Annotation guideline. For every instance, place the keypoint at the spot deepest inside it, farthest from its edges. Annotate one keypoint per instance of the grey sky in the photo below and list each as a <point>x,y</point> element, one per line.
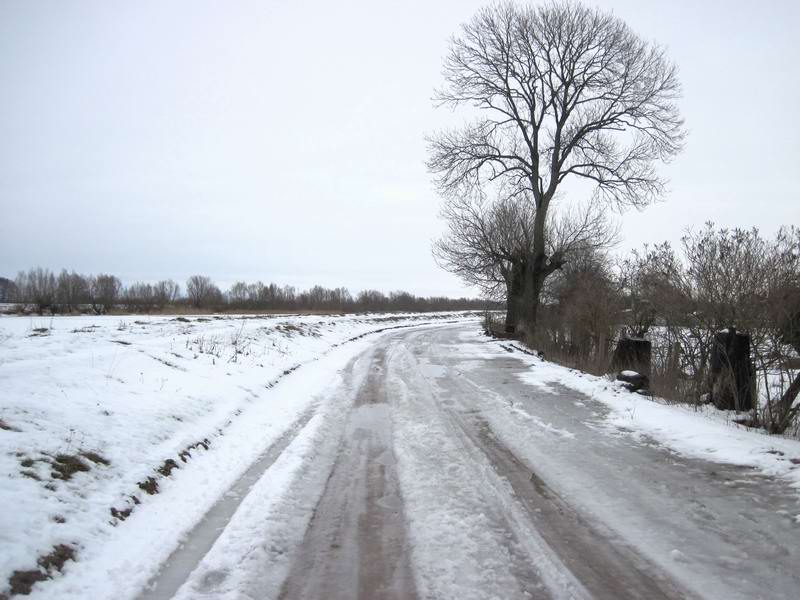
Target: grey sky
<point>283,141</point>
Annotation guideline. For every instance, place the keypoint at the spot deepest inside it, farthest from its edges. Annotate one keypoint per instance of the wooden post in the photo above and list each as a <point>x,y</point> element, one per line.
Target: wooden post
<point>732,373</point>
<point>633,354</point>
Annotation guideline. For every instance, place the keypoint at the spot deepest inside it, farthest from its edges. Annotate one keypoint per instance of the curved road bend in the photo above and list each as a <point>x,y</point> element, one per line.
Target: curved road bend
<point>452,478</point>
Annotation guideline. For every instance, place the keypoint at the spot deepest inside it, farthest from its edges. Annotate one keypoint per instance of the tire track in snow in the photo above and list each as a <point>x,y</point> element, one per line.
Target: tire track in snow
<point>471,539</point>
<point>355,545</point>
<point>182,566</point>
<point>188,555</point>
<point>607,570</point>
<point>574,557</point>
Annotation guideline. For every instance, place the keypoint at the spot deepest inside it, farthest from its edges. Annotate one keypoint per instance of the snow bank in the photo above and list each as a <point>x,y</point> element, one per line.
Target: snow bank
<point>704,432</point>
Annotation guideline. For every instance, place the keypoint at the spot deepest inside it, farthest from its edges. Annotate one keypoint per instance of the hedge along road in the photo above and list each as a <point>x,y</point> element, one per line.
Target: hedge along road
<point>434,471</point>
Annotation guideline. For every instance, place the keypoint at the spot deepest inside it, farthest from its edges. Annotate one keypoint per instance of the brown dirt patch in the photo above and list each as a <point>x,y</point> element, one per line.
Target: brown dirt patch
<point>149,486</point>
<point>96,458</point>
<point>66,465</point>
<point>22,582</point>
<point>56,559</point>
<point>186,454</point>
<point>121,514</point>
<point>167,468</point>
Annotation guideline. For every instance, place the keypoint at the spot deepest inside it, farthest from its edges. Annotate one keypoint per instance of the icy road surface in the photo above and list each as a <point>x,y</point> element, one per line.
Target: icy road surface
<point>441,467</point>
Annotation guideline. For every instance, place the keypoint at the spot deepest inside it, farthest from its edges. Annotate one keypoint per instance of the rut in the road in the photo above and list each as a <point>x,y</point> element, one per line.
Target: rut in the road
<point>185,559</point>
<point>607,570</point>
<point>355,545</point>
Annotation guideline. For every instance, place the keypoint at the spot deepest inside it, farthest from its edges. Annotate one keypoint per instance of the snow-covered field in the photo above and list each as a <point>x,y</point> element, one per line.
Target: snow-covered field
<point>119,435</point>
<point>104,418</point>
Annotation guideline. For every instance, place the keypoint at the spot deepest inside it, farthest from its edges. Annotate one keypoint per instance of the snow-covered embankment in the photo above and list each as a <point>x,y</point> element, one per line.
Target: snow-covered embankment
<point>120,431</point>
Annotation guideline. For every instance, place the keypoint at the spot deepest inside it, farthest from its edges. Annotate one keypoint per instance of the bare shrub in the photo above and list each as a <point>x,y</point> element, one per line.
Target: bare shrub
<point>202,292</point>
<point>722,278</point>
<point>72,290</point>
<point>238,295</point>
<point>166,292</point>
<point>140,297</point>
<point>8,290</point>
<point>582,308</point>
<point>104,291</point>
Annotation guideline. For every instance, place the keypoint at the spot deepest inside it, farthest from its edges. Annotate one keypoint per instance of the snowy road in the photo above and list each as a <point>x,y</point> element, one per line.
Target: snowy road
<point>434,470</point>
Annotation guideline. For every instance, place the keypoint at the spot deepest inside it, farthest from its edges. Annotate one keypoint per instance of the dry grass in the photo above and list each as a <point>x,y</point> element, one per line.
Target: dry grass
<point>6,427</point>
<point>22,582</point>
<point>96,458</point>
<point>167,468</point>
<point>66,465</point>
<point>149,486</point>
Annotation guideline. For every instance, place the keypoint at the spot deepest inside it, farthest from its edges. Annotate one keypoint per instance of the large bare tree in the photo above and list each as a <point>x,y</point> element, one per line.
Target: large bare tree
<point>561,91</point>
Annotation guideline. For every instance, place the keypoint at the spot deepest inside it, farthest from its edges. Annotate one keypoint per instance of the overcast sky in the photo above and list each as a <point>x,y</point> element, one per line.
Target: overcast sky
<point>283,141</point>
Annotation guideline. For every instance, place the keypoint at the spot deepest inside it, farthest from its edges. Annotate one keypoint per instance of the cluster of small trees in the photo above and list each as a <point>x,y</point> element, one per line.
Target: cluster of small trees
<point>680,299</point>
<point>67,292</point>
<point>257,295</point>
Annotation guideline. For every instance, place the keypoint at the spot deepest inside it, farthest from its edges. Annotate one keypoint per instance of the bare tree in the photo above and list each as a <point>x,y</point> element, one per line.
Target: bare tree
<point>140,297</point>
<point>255,292</point>
<point>238,295</point>
<point>489,245</point>
<point>562,91</point>
<point>372,300</point>
<point>38,287</point>
<point>104,290</point>
<point>165,292</point>
<point>783,410</point>
<point>403,301</point>
<point>651,286</point>
<point>72,290</point>
<point>202,292</point>
<point>8,290</point>
<point>486,246</point>
<point>781,340</point>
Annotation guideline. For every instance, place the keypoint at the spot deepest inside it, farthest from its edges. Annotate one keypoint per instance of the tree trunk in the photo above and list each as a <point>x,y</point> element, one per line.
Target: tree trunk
<point>514,291</point>
<point>674,357</point>
<point>536,268</point>
<point>790,334</point>
<point>534,276</point>
<point>784,407</point>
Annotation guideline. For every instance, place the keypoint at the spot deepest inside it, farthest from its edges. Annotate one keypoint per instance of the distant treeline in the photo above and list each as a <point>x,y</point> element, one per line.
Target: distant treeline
<point>44,291</point>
